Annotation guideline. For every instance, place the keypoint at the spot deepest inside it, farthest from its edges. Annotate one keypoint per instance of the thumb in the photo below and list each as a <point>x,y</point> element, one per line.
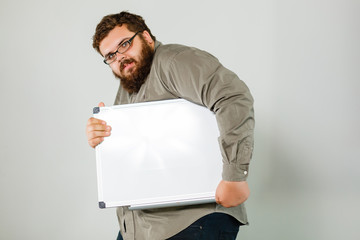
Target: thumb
<point>101,104</point>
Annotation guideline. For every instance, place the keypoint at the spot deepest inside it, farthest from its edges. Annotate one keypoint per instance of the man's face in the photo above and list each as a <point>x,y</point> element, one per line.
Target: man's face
<point>132,66</point>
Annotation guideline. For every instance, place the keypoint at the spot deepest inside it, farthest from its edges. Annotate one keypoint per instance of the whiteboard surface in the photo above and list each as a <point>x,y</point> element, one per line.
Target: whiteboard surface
<point>160,153</point>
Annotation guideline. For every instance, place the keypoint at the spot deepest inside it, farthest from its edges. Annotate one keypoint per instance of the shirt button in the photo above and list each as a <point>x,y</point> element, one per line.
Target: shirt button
<point>245,172</point>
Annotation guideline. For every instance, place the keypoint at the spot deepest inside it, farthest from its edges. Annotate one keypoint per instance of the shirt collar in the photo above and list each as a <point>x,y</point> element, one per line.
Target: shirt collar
<point>157,44</point>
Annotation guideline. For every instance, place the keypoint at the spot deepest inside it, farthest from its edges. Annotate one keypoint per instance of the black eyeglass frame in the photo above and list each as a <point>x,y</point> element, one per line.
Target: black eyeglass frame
<point>129,42</point>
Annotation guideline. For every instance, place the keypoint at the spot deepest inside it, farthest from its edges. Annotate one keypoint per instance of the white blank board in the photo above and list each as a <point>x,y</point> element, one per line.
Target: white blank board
<point>162,153</point>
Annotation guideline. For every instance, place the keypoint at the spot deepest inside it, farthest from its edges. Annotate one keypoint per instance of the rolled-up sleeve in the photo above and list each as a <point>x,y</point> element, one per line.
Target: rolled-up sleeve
<point>199,77</point>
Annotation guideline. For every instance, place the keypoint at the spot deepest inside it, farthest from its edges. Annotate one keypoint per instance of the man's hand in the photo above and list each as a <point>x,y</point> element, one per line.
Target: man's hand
<point>96,130</point>
<point>231,194</point>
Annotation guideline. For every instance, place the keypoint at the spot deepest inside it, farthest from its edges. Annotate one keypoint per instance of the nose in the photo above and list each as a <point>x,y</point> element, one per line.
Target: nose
<point>120,56</point>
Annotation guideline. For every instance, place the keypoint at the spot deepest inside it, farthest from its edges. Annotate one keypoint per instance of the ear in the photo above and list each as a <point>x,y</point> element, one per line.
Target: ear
<point>147,37</point>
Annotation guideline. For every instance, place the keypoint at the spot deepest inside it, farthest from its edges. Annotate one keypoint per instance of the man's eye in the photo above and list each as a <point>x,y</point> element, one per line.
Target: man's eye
<point>125,44</point>
<point>111,56</point>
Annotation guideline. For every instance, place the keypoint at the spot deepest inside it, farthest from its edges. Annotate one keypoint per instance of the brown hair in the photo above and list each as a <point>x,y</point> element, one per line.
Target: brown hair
<point>133,22</point>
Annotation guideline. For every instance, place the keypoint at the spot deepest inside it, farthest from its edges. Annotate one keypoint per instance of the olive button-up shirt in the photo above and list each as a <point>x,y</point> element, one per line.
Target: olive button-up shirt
<point>184,72</point>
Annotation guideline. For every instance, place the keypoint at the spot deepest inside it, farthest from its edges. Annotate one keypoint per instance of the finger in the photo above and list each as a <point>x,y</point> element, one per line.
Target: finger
<point>93,120</point>
<point>98,127</point>
<point>217,200</point>
<point>96,141</point>
<point>95,134</point>
<point>101,104</point>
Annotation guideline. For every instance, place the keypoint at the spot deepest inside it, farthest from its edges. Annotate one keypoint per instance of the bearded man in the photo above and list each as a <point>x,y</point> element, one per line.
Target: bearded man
<point>150,71</point>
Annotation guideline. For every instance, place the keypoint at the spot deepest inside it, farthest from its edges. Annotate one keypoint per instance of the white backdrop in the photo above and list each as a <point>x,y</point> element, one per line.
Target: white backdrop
<point>299,58</point>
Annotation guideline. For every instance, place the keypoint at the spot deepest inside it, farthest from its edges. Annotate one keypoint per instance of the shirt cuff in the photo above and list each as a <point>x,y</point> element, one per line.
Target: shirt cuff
<point>235,173</point>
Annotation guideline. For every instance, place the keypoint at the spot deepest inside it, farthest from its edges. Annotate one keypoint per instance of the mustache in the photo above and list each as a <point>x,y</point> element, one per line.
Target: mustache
<point>126,62</point>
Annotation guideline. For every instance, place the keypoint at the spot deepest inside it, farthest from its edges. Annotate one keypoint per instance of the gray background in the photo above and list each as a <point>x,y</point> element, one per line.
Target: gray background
<point>299,58</point>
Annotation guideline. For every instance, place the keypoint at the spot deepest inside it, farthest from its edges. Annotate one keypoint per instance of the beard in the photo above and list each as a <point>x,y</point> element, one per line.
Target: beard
<point>137,76</point>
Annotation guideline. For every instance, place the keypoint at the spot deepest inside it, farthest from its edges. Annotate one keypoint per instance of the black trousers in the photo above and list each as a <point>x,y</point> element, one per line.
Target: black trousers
<point>215,226</point>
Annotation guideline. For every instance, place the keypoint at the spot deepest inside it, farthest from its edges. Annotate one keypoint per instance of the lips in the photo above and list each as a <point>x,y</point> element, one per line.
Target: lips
<point>126,64</point>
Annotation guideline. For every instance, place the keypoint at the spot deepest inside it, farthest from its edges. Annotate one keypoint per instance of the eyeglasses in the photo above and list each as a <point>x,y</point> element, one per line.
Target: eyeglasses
<point>123,47</point>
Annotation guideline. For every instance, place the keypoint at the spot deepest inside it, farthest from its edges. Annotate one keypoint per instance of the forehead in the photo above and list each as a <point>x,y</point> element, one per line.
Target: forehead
<point>115,36</point>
